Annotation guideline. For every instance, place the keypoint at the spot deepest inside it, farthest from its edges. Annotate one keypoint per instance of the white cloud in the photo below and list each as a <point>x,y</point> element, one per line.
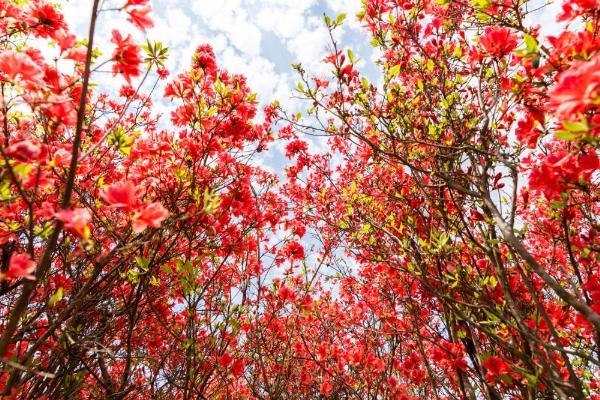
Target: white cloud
<point>348,7</point>
<point>280,21</point>
<point>309,47</point>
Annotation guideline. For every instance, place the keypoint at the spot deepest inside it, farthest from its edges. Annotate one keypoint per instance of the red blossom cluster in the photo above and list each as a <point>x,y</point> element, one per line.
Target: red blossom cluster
<point>445,246</point>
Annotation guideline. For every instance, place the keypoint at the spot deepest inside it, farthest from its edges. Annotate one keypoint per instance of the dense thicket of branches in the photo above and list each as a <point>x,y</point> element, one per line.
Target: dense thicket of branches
<point>454,216</point>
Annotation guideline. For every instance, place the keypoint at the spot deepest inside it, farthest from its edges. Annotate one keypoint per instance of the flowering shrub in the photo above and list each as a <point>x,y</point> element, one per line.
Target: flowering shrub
<point>457,246</point>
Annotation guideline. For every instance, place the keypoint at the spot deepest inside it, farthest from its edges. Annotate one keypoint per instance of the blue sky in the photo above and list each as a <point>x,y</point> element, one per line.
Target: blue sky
<point>257,38</point>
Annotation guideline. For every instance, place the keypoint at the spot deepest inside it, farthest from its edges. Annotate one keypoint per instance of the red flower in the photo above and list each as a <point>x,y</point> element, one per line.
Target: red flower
<point>76,221</point>
<point>575,8</point>
<point>133,3</point>
<point>577,89</point>
<point>325,388</point>
<point>139,17</point>
<point>163,73</point>
<point>121,195</point>
<point>19,66</point>
<point>205,58</point>
<point>225,360</point>
<point>495,367</point>
<point>237,369</point>
<point>152,215</point>
<point>295,147</point>
<point>60,109</point>
<point>20,266</point>
<point>25,151</point>
<point>126,56</point>
<point>559,171</point>
<point>285,293</point>
<point>498,41</point>
<point>293,250</point>
<point>65,40</point>
<point>527,132</point>
<point>61,158</point>
<point>47,21</point>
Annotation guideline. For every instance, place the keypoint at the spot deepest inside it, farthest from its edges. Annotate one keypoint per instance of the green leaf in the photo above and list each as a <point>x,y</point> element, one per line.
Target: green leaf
<point>394,71</point>
<point>532,380</point>
<point>530,43</point>
<point>581,126</point>
<point>340,19</point>
<point>142,262</point>
<point>565,135</point>
<point>350,56</point>
<point>56,297</point>
<point>430,65</point>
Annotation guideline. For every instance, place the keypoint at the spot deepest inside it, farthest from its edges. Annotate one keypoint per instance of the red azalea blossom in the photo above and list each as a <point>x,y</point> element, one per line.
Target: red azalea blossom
<point>325,388</point>
<point>495,367</point>
<point>139,17</point>
<point>47,20</point>
<point>205,58</point>
<point>25,151</point>
<point>152,215</point>
<point>131,3</point>
<point>17,66</point>
<point>293,250</point>
<point>163,73</point>
<point>225,360</point>
<point>559,172</point>
<point>573,8</point>
<point>76,221</point>
<point>123,195</point>
<point>577,89</point>
<point>295,147</point>
<point>20,266</point>
<point>498,41</point>
<point>527,132</point>
<point>126,56</point>
<point>285,293</point>
<point>237,369</point>
<point>62,157</point>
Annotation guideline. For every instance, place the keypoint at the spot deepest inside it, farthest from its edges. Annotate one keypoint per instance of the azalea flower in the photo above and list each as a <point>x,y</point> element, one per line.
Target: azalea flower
<point>25,151</point>
<point>225,360</point>
<point>139,17</point>
<point>121,195</point>
<point>126,56</point>
<point>19,66</point>
<point>205,58</point>
<point>293,251</point>
<point>498,41</point>
<point>495,367</point>
<point>152,215</point>
<point>527,132</point>
<point>47,20</point>
<point>577,89</point>
<point>20,266</point>
<point>76,221</point>
<point>560,170</point>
